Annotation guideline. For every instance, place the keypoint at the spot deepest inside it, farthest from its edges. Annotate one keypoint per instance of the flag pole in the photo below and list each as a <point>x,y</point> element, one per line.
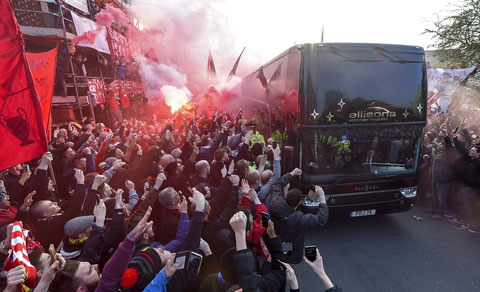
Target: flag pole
<point>52,174</point>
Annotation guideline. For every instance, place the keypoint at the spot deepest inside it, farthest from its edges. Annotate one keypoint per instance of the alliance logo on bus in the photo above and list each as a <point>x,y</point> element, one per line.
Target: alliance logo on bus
<point>374,113</point>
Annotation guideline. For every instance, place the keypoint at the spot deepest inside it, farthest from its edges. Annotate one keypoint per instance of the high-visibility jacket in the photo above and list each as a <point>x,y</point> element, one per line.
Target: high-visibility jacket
<point>257,138</point>
<point>279,137</point>
<point>343,146</point>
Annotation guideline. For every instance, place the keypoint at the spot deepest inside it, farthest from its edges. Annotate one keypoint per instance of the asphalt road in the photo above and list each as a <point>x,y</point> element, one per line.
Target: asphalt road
<point>394,252</point>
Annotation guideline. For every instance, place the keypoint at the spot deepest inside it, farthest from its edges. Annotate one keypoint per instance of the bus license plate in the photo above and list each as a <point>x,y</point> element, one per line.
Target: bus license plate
<point>362,213</point>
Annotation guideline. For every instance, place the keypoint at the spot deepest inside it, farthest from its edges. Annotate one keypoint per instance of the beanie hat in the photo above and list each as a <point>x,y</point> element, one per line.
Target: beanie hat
<point>77,225</point>
<point>142,269</point>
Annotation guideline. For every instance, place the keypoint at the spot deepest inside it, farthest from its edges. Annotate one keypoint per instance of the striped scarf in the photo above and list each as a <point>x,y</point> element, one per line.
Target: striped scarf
<point>19,256</point>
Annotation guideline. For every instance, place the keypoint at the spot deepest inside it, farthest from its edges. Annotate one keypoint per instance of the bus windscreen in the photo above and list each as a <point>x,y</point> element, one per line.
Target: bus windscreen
<point>362,84</point>
<point>374,150</point>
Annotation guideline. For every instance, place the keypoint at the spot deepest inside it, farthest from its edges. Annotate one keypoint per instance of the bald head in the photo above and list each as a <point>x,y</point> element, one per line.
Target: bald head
<point>176,152</point>
<point>166,160</point>
<point>253,177</point>
<point>266,176</point>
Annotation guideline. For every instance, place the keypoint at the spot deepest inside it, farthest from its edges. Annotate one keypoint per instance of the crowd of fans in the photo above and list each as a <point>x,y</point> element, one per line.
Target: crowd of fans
<point>449,173</point>
<point>150,206</point>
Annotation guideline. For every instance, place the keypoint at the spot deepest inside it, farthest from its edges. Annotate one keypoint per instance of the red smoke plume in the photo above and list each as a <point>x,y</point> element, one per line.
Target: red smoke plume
<point>88,37</point>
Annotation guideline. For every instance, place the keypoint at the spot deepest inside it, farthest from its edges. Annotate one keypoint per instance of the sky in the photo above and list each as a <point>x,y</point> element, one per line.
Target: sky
<point>269,27</point>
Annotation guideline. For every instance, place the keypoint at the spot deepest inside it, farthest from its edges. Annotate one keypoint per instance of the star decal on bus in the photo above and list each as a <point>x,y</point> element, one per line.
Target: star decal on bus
<point>419,107</point>
<point>405,114</point>
<point>314,114</point>
<point>341,103</point>
<point>329,116</point>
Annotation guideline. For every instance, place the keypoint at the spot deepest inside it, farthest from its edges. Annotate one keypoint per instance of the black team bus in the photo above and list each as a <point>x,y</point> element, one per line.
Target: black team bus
<point>351,116</point>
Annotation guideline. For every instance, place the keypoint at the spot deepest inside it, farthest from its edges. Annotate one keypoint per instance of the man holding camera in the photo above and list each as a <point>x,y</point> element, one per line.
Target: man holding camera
<point>291,223</point>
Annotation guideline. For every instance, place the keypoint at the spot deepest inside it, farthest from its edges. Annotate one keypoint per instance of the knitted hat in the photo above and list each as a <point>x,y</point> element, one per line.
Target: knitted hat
<point>142,269</point>
<point>77,225</point>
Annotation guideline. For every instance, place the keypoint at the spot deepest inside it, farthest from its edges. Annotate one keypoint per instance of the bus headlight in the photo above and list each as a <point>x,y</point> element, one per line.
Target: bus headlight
<point>409,192</point>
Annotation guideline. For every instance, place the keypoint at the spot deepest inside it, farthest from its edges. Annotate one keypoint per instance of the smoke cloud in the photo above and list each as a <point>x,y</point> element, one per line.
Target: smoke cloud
<point>174,42</point>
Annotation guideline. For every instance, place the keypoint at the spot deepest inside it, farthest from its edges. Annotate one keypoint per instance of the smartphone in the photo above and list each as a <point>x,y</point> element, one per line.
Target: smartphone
<point>265,219</point>
<point>27,167</point>
<point>311,252</point>
<point>287,246</point>
<point>190,261</point>
<point>282,265</point>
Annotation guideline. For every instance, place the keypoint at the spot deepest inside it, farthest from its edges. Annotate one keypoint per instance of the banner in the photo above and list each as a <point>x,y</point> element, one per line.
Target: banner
<point>21,123</point>
<point>118,44</point>
<point>79,4</point>
<point>83,25</point>
<point>442,84</point>
<point>96,90</point>
<point>42,66</point>
<point>138,86</point>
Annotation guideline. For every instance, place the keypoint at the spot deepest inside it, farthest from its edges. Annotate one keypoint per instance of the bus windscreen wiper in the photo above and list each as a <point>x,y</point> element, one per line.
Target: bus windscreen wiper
<point>384,164</point>
<point>339,52</point>
<point>339,180</point>
<point>386,53</point>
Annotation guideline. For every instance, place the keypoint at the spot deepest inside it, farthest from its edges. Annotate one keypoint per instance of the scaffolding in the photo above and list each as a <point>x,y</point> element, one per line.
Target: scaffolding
<point>52,22</point>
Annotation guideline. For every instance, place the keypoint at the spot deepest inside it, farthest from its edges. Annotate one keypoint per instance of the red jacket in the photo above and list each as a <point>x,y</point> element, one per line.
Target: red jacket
<point>112,101</point>
<point>7,215</point>
<point>124,99</point>
<point>255,235</point>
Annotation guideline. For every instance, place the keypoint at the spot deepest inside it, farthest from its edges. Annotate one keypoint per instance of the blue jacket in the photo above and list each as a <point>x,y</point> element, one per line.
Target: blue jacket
<point>159,284</point>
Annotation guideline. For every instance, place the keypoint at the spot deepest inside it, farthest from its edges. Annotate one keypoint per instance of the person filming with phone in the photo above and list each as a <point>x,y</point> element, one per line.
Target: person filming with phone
<point>291,223</point>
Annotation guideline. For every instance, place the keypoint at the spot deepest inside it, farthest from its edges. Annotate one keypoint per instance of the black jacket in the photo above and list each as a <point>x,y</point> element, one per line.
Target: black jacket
<point>51,230</point>
<point>165,223</point>
<point>290,224</point>
<point>244,262</point>
<point>468,169</point>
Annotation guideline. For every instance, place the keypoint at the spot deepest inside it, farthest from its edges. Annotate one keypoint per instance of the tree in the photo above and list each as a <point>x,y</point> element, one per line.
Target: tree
<point>457,36</point>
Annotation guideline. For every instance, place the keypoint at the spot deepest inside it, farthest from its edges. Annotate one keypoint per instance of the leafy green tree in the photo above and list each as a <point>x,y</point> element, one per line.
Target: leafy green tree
<point>457,36</point>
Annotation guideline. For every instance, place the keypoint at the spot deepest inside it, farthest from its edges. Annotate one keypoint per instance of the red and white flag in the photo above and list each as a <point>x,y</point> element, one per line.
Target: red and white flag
<point>19,256</point>
<point>442,83</point>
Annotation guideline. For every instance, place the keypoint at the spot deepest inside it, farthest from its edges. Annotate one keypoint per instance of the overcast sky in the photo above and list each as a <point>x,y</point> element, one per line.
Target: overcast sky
<point>268,27</point>
<point>272,25</point>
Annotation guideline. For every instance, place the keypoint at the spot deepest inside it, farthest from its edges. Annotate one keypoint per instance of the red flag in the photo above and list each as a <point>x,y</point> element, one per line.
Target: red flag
<point>235,66</point>
<point>43,66</point>
<point>261,77</point>
<point>276,74</point>
<point>21,123</point>
<point>118,44</point>
<point>212,73</point>
<point>96,90</point>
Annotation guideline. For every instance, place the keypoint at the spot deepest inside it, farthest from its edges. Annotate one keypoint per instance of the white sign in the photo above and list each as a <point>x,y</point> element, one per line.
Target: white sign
<point>83,25</point>
<point>442,84</point>
<point>79,4</point>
